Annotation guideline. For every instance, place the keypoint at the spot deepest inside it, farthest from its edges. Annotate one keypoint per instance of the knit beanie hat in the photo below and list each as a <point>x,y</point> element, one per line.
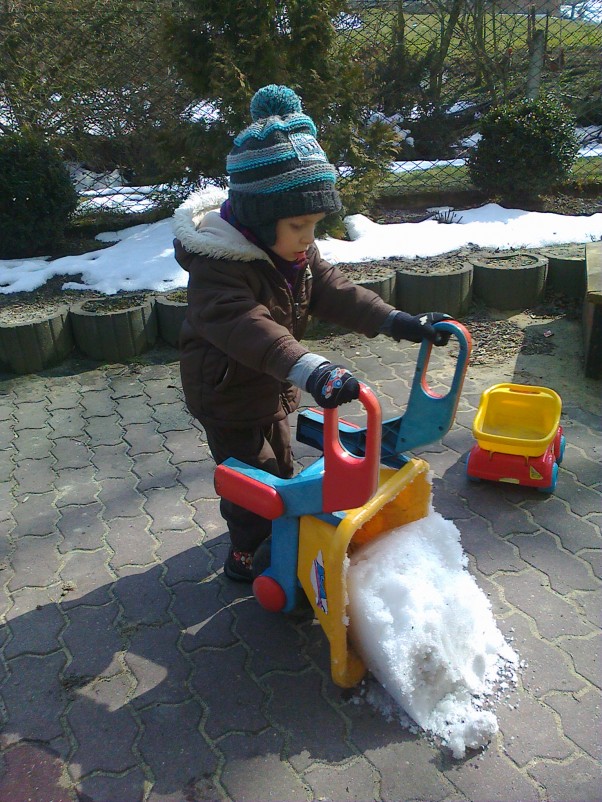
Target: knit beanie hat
<point>277,168</point>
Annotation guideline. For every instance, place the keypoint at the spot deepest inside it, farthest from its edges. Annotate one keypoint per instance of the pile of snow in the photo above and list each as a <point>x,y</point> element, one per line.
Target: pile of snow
<point>427,633</point>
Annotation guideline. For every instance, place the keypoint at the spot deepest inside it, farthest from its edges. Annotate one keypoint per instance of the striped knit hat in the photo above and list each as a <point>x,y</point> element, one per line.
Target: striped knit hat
<point>277,168</point>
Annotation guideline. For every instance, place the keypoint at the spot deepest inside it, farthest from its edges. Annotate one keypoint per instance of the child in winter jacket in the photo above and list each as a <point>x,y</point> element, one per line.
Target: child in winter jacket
<point>255,276</point>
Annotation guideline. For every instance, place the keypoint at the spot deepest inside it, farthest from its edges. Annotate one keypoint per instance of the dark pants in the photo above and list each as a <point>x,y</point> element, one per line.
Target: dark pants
<point>265,447</point>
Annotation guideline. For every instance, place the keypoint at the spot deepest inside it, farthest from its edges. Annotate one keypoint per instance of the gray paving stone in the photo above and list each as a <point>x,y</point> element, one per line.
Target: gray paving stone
<point>491,552</point>
<point>70,453</point>
<point>35,514</point>
<point>201,615</point>
<point>125,386</point>
<point>575,533</point>
<point>120,498</point>
<point>81,527</point>
<point>403,757</point>
<point>75,486</point>
<point>183,557</point>
<point>585,467</point>
<point>254,770</point>
<point>92,657</point>
<point>130,786</point>
<point>170,417</point>
<point>275,643</point>
<point>185,446</point>
<point>67,423</point>
<point>564,570</point>
<point>112,462</point>
<point>97,402</point>
<point>167,509</point>
<point>207,517</point>
<point>133,410</point>
<point>234,699</point>
<point>581,719</point>
<point>159,669</point>
<point>98,707</point>
<point>586,656</point>
<point>34,624</point>
<point>33,444</point>
<point>143,598</point>
<point>548,666</point>
<point>578,779</point>
<point>162,392</point>
<point>63,397</point>
<point>197,479</point>
<point>492,776</point>
<point>35,561</point>
<point>130,541</point>
<point>34,475</point>
<point>318,724</point>
<point>581,499</point>
<point>589,603</point>
<point>104,431</point>
<point>30,415</point>
<point>554,616</point>
<point>533,733</point>
<point>176,763</point>
<point>33,698</point>
<point>355,781</point>
<point>153,471</point>
<point>86,578</point>
<point>143,439</point>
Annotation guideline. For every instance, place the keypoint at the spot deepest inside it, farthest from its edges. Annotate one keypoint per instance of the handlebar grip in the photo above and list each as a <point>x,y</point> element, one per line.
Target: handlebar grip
<point>349,481</point>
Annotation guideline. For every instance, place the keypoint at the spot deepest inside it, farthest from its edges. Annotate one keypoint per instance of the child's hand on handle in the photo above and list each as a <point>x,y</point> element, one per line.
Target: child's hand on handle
<point>417,328</point>
<point>332,385</point>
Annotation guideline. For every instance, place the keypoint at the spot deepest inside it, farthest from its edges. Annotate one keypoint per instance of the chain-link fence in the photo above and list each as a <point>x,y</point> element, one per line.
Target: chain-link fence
<point>93,76</point>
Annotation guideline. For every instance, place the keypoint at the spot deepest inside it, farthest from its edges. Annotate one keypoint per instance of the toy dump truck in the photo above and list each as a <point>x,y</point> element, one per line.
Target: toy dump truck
<point>519,437</point>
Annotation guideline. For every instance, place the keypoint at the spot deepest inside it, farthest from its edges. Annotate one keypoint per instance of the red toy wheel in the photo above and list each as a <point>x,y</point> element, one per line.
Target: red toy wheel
<point>269,593</point>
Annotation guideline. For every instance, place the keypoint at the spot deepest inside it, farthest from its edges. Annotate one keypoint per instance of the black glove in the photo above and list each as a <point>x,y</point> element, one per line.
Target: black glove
<point>332,385</point>
<point>417,328</point>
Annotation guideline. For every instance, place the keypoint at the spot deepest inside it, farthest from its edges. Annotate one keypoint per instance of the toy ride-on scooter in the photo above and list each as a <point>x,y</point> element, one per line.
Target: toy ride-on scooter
<point>345,499</point>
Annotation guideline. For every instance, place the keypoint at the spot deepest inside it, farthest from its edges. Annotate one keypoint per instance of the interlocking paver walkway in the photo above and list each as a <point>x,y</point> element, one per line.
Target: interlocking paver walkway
<point>133,671</point>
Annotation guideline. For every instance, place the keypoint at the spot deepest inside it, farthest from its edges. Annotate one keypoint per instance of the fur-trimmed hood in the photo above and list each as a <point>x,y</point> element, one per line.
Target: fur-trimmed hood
<point>201,230</point>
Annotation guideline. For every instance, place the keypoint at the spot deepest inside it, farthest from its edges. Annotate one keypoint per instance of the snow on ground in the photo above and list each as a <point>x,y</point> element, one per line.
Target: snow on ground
<point>426,631</point>
<point>141,257</point>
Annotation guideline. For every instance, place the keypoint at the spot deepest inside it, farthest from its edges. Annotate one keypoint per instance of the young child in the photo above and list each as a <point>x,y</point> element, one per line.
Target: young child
<point>255,276</point>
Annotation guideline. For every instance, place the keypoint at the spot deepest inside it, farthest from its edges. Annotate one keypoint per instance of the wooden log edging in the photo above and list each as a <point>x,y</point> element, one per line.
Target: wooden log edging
<point>592,311</point>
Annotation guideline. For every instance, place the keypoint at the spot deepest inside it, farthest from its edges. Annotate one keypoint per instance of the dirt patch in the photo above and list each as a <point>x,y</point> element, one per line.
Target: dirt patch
<point>367,271</point>
<point>115,303</point>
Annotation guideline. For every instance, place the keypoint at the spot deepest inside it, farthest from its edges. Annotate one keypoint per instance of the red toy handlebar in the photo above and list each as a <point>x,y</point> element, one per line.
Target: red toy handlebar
<point>349,481</point>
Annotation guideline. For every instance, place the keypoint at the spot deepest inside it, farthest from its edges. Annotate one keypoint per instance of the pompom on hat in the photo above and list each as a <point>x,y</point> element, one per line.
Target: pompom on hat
<point>277,168</point>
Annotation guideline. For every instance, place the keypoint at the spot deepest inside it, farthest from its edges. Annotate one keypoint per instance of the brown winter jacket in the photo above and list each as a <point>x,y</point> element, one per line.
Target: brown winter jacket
<point>242,329</point>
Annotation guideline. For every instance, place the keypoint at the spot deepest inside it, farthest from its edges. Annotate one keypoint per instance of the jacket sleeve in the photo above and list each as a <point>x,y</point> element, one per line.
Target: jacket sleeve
<point>223,308</point>
<point>336,299</point>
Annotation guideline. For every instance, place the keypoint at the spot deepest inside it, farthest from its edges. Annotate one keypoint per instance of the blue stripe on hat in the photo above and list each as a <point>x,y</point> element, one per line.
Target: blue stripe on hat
<point>261,130</point>
<point>285,182</point>
<point>249,159</point>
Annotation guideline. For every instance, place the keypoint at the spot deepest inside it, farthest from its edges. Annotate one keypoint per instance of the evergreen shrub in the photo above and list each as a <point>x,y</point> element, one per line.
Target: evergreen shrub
<point>37,197</point>
<point>526,147</point>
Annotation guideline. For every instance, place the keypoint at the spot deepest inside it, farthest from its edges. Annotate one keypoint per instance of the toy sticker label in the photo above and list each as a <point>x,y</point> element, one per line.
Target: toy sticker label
<point>318,577</point>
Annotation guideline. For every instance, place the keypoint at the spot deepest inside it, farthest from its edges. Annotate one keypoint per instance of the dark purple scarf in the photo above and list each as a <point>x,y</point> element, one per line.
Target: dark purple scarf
<point>289,270</point>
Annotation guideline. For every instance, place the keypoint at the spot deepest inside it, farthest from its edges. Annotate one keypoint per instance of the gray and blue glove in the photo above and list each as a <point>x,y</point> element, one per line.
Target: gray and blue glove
<point>332,385</point>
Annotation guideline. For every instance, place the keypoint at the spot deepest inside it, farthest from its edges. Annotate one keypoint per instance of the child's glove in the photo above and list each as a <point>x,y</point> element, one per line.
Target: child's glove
<point>332,385</point>
<point>417,328</point>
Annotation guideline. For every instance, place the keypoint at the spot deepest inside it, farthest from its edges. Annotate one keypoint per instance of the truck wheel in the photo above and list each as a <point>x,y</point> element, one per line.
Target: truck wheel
<point>552,487</point>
